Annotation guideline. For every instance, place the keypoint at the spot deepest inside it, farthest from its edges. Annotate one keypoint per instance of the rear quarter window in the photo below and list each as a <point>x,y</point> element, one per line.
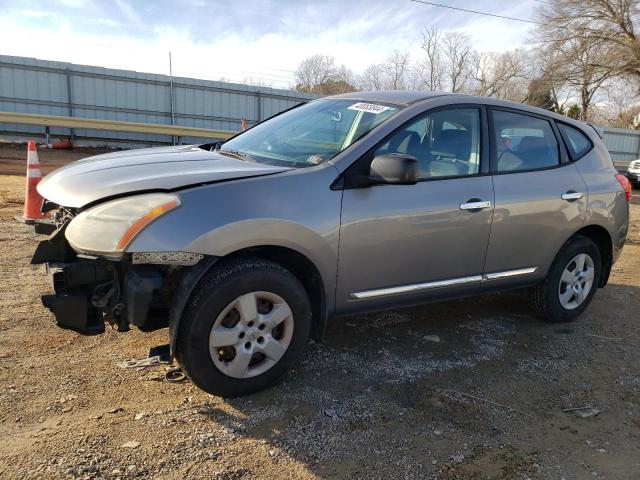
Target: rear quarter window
<point>577,142</point>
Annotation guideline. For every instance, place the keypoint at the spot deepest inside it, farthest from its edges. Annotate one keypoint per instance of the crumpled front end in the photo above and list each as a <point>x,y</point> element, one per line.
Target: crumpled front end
<point>91,291</point>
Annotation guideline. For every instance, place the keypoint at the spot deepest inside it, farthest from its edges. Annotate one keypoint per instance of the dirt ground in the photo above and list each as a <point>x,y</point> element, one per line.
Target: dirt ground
<point>469,389</point>
<point>13,157</point>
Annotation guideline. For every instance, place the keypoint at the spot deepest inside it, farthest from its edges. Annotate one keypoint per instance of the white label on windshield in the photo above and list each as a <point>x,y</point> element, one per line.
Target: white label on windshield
<point>369,108</point>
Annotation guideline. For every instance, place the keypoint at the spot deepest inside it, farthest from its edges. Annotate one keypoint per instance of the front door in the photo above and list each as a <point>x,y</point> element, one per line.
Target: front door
<point>400,244</point>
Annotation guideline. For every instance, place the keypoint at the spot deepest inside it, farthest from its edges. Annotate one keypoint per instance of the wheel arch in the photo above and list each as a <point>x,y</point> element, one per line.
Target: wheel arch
<point>297,263</point>
<point>305,271</point>
<point>602,238</point>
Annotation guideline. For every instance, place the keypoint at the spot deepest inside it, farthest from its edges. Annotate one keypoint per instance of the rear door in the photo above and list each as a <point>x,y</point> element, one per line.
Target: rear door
<point>540,197</point>
<point>400,244</point>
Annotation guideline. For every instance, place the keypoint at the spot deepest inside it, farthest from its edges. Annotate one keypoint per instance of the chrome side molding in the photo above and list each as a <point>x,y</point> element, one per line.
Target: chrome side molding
<point>509,273</point>
<point>417,287</point>
<point>383,292</point>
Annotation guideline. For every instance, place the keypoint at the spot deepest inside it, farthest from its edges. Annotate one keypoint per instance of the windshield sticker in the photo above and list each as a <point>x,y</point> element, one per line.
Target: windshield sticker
<point>369,108</point>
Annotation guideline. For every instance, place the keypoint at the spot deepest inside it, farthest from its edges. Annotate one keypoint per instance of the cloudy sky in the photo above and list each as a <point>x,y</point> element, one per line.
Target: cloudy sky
<point>262,40</point>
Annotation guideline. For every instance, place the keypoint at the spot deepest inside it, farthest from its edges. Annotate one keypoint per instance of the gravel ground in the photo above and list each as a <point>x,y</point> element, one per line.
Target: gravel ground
<point>474,388</point>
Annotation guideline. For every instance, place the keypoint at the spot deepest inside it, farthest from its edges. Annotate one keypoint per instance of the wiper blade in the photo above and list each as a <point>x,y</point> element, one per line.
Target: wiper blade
<point>236,154</point>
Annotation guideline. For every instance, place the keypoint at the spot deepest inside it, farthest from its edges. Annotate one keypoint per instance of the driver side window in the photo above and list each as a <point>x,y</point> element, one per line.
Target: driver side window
<point>446,143</point>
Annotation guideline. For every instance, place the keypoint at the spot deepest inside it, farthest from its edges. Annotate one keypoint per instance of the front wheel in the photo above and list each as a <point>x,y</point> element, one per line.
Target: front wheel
<point>245,325</point>
<point>571,282</point>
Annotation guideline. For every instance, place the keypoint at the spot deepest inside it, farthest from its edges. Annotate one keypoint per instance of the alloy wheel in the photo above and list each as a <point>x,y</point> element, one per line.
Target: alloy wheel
<point>576,281</point>
<point>251,334</point>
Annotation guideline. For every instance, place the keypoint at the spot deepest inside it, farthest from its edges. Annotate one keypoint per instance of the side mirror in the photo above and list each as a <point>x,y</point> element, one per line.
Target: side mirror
<point>394,169</point>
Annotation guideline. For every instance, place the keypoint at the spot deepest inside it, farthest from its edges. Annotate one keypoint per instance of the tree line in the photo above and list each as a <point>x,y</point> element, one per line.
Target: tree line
<point>584,63</point>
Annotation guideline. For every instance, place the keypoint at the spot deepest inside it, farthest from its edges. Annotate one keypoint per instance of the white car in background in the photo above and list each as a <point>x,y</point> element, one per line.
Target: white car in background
<point>633,172</point>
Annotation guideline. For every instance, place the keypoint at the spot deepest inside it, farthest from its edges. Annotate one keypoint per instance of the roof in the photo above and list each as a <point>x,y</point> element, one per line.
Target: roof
<point>408,97</point>
<point>398,97</point>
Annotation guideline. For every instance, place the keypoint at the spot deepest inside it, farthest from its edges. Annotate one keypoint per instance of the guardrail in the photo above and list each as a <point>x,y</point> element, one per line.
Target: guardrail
<point>113,125</point>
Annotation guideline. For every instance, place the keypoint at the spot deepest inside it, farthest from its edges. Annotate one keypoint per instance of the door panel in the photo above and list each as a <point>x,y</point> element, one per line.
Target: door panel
<point>531,220</point>
<point>402,235</point>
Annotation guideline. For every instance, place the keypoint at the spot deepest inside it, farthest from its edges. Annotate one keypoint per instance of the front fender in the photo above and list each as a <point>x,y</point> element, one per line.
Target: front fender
<point>233,237</point>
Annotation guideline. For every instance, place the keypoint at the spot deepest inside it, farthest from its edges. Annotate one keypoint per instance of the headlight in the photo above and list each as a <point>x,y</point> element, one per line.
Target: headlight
<point>111,226</point>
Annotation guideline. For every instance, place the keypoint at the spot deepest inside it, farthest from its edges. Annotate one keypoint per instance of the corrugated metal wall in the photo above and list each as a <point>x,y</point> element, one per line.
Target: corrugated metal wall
<point>623,145</point>
<point>28,85</point>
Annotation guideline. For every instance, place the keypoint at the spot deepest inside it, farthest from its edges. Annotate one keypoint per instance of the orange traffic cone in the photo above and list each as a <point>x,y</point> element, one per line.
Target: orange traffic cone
<point>32,199</point>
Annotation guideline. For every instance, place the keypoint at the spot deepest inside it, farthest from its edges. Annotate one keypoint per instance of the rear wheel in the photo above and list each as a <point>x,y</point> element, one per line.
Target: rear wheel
<point>571,282</point>
<point>245,325</point>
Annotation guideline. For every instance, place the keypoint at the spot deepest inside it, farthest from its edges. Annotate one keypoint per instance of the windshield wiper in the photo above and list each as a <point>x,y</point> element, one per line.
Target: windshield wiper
<point>236,154</point>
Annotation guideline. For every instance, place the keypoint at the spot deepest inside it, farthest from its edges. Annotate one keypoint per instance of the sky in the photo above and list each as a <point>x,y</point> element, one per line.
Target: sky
<point>263,41</point>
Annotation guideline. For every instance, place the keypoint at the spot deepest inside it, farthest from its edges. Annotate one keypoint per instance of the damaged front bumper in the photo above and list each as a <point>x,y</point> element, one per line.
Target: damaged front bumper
<point>146,290</point>
<point>90,293</point>
<point>74,284</point>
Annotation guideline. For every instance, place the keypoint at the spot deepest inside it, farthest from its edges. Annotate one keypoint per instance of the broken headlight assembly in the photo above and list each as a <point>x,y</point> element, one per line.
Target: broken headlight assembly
<point>107,229</point>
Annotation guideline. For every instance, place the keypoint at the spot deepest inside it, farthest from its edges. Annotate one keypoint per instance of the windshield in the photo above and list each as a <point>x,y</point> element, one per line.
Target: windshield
<point>309,134</point>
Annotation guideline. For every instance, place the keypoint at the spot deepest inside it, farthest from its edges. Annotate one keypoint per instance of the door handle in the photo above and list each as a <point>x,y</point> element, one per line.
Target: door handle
<point>475,205</point>
<point>572,196</point>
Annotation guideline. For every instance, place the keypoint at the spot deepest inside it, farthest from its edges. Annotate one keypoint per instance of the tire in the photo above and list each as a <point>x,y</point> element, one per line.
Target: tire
<point>550,297</point>
<point>217,369</point>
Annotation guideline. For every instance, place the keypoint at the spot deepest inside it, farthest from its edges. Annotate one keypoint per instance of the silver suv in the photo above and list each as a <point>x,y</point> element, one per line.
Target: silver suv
<point>347,204</point>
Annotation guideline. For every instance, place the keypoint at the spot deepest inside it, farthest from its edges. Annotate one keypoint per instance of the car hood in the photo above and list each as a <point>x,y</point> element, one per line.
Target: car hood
<point>163,168</point>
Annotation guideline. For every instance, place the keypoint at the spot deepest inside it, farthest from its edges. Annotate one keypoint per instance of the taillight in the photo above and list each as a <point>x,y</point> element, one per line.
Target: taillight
<point>626,185</point>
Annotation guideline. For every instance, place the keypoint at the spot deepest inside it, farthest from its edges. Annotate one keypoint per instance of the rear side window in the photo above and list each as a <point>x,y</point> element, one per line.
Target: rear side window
<point>577,141</point>
<point>523,142</point>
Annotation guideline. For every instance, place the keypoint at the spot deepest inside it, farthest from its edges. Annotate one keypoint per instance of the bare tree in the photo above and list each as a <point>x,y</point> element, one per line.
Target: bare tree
<point>315,70</point>
<point>320,74</point>
<point>395,70</point>
<point>481,72</point>
<point>373,78</point>
<point>549,78</point>
<point>430,70</point>
<point>620,106</point>
<point>503,75</point>
<point>585,72</point>
<point>414,80</point>
<point>446,65</point>
<point>611,24</point>
<point>393,74</point>
<point>458,53</point>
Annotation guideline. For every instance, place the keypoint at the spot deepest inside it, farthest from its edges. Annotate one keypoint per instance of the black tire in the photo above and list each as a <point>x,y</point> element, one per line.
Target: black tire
<point>544,297</point>
<point>216,291</point>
